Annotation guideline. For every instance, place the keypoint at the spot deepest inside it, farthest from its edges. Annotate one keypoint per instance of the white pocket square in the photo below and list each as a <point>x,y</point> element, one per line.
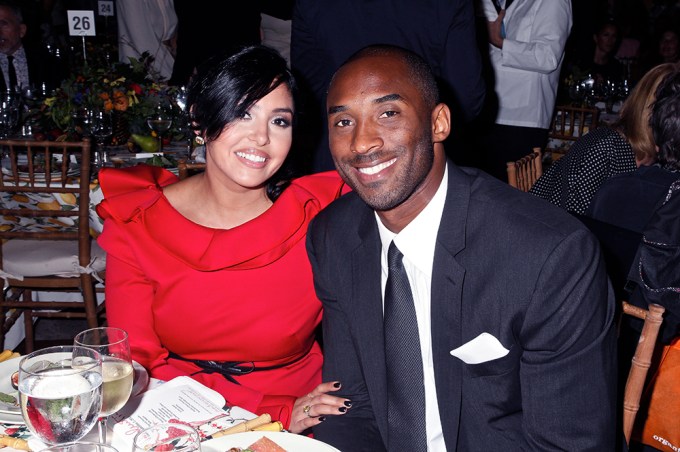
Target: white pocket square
<point>481,349</point>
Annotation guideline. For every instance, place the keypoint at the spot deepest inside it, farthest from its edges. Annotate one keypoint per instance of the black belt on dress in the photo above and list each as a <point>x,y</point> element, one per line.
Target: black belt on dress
<point>231,369</point>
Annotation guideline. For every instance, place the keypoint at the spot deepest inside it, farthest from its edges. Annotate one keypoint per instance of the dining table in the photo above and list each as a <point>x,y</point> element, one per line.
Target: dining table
<point>182,400</point>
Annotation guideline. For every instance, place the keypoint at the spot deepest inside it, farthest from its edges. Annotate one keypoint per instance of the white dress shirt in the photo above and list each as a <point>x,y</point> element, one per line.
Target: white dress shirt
<point>417,243</point>
<point>527,68</point>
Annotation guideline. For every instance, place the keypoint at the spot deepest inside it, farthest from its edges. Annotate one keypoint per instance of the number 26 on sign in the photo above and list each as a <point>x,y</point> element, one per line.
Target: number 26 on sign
<point>80,23</point>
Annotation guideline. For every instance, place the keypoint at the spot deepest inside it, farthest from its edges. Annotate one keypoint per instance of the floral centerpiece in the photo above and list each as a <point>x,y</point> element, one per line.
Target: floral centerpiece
<point>128,92</point>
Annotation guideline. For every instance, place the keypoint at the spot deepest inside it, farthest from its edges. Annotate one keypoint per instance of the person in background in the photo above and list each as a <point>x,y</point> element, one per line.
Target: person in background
<point>459,313</point>
<point>209,275</point>
<point>527,39</point>
<point>148,26</point>
<point>572,181</point>
<point>628,200</point>
<point>602,64</point>
<point>325,33</point>
<point>276,24</point>
<point>24,67</point>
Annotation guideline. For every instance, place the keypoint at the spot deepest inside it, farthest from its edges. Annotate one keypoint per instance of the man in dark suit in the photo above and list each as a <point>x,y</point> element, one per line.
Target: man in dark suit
<point>325,33</point>
<point>23,66</point>
<point>514,342</point>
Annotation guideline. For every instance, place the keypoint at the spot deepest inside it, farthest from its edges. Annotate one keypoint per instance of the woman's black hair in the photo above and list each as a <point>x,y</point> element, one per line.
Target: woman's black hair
<point>227,86</point>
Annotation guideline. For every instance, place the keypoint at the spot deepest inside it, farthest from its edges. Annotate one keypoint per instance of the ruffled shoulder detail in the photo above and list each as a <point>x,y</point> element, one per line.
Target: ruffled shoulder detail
<point>254,244</point>
<point>129,191</point>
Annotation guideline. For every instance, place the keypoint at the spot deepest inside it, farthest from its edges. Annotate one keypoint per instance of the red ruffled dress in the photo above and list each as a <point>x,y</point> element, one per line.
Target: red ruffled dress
<point>240,295</point>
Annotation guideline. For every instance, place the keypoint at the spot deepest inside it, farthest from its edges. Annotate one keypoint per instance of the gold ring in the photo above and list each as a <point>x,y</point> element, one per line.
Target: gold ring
<point>306,409</point>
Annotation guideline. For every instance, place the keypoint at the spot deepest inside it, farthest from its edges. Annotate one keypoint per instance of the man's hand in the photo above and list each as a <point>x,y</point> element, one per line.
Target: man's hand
<point>495,36</point>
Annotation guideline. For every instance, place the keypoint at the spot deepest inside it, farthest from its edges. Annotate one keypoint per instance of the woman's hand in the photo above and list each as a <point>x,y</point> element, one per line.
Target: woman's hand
<point>311,410</point>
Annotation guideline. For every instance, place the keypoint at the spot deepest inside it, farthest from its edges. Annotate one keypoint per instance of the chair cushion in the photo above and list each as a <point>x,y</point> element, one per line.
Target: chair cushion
<point>47,257</point>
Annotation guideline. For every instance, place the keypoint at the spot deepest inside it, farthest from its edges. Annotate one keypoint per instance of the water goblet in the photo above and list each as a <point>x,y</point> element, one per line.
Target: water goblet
<point>167,436</point>
<point>101,129</point>
<point>160,122</point>
<point>117,371</point>
<point>60,392</point>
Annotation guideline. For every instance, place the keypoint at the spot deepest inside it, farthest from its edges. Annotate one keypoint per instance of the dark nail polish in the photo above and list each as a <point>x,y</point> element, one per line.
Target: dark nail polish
<point>342,409</point>
<point>336,384</point>
<point>348,403</point>
<point>322,418</point>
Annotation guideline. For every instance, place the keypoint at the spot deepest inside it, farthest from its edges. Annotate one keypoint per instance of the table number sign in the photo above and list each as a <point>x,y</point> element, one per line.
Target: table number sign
<point>105,7</point>
<point>81,23</point>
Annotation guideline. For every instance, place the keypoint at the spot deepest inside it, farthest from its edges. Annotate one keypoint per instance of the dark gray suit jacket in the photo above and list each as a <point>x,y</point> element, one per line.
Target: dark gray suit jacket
<point>506,263</point>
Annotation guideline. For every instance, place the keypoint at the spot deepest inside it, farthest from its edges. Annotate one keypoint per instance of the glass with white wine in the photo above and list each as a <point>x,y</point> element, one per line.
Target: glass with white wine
<point>60,390</point>
<point>117,370</point>
<point>160,122</point>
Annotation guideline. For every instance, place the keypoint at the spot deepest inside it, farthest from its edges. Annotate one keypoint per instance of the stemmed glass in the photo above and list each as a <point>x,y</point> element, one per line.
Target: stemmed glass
<point>60,391</point>
<point>101,129</point>
<point>160,122</point>
<point>117,370</point>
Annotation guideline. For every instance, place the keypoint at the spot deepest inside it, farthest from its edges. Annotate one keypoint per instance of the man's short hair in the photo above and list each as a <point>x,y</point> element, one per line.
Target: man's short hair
<point>665,120</point>
<point>14,7</point>
<point>420,72</point>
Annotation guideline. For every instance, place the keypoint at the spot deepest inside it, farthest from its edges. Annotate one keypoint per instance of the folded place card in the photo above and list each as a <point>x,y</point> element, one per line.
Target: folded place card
<point>481,349</point>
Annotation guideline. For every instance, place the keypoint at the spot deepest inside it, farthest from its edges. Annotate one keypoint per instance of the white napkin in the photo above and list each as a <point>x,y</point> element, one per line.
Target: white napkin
<point>481,349</point>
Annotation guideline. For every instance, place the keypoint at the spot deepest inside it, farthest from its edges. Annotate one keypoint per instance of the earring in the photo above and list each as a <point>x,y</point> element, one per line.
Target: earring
<point>199,140</point>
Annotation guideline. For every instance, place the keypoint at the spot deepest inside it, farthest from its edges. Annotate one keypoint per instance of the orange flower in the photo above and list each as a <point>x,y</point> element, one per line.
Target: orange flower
<point>108,105</point>
<point>104,96</point>
<point>120,101</point>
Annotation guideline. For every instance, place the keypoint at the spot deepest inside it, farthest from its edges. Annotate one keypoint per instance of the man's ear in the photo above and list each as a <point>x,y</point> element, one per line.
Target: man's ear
<point>22,30</point>
<point>441,123</point>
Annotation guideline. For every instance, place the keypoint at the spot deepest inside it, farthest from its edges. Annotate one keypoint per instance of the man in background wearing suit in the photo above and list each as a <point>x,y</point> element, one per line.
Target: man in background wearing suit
<point>493,329</point>
<point>23,67</point>
<point>326,32</point>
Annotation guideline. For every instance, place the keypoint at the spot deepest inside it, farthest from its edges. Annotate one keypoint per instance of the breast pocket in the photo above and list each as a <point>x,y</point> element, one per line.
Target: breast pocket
<point>495,367</point>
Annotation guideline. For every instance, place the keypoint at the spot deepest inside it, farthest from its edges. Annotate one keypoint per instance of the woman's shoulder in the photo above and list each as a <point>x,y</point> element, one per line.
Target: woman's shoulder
<point>324,187</point>
<point>129,190</point>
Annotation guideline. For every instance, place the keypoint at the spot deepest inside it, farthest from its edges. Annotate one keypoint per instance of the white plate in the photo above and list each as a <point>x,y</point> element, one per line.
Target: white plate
<point>14,419</point>
<point>7,368</point>
<point>288,441</point>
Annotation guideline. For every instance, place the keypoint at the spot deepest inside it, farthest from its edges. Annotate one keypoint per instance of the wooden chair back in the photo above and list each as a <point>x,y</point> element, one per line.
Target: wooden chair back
<point>641,361</point>
<point>185,169</point>
<point>568,125</point>
<point>524,173</point>
<point>48,171</point>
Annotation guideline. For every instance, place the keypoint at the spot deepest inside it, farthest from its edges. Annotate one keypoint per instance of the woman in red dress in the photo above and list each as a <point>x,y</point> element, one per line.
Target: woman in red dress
<point>209,275</point>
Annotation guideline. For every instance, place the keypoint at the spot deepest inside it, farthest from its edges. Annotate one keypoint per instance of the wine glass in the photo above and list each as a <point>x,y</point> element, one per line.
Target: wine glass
<point>60,392</point>
<point>101,129</point>
<point>117,370</point>
<point>167,436</point>
<point>160,122</point>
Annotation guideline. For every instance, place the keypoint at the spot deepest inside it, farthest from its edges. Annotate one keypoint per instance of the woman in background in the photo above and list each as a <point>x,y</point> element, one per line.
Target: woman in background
<point>209,275</point>
<point>572,181</point>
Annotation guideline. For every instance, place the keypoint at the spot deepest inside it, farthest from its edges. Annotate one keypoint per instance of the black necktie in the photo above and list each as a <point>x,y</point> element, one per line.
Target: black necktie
<point>497,4</point>
<point>405,387</point>
<point>12,73</point>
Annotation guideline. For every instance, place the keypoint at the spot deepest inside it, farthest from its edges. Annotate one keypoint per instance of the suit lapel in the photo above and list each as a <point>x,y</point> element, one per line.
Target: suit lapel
<point>447,291</point>
<point>366,310</point>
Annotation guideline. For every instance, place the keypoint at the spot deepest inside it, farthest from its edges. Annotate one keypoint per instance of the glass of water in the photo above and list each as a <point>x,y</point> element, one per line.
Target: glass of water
<point>60,390</point>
